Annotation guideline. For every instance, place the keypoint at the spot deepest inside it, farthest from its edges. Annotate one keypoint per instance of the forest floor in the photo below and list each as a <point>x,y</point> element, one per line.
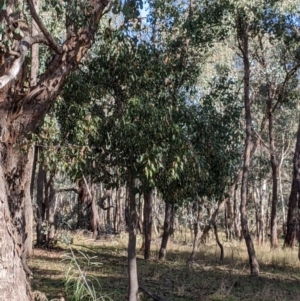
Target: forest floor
<point>173,279</point>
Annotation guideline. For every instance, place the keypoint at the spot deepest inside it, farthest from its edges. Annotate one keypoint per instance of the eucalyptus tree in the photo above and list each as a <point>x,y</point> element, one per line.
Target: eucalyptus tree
<point>23,108</point>
<point>216,135</point>
<point>135,98</point>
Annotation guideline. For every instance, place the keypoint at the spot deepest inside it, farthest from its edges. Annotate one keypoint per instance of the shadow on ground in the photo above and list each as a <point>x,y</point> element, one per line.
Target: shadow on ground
<point>204,279</point>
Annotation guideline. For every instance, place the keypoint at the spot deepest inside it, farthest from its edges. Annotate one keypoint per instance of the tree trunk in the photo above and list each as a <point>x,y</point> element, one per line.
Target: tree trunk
<point>197,231</point>
<point>236,217</point>
<point>14,283</point>
<point>243,36</point>
<point>293,200</point>
<point>28,209</point>
<point>120,212</point>
<point>229,220</point>
<point>167,231</point>
<point>15,177</point>
<point>51,214</point>
<point>147,225</point>
<point>274,237</point>
<point>132,265</point>
<point>40,206</point>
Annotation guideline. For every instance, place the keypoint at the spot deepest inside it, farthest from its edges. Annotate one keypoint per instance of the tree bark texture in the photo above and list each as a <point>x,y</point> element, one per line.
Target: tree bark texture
<point>147,223</point>
<point>167,231</point>
<point>40,206</point>
<point>292,218</point>
<point>198,209</point>
<point>28,208</point>
<point>243,27</point>
<point>132,264</point>
<point>13,279</point>
<point>274,237</point>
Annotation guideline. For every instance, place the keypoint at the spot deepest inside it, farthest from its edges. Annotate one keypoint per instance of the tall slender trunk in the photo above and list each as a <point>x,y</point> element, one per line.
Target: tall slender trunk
<point>260,192</point>
<point>51,214</point>
<point>40,209</point>
<point>293,200</point>
<point>167,231</point>
<point>132,264</point>
<point>120,212</point>
<point>236,215</point>
<point>198,209</point>
<point>127,209</point>
<point>116,212</point>
<point>229,220</point>
<point>274,237</point>
<point>94,218</point>
<point>155,213</point>
<point>254,267</point>
<point>108,214</point>
<point>147,225</point>
<point>28,209</point>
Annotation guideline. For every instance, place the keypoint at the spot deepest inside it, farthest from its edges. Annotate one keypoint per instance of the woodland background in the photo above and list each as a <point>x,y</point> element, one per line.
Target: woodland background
<point>169,121</point>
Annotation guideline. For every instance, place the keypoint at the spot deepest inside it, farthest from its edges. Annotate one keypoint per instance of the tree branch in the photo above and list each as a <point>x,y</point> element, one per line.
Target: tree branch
<point>67,190</point>
<point>17,64</point>
<point>52,43</point>
<point>152,295</point>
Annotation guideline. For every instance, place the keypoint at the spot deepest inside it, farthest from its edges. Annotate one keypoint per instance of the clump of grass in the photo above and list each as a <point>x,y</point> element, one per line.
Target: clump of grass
<point>79,282</point>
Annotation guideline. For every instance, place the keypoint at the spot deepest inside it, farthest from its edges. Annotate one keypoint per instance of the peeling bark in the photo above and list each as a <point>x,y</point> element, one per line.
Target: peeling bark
<point>22,110</point>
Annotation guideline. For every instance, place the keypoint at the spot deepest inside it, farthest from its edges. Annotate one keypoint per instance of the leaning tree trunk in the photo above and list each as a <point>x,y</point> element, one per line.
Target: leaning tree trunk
<point>292,217</point>
<point>167,231</point>
<point>243,36</point>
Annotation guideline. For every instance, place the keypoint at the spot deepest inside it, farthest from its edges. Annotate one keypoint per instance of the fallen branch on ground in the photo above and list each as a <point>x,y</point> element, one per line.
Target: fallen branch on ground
<point>153,296</point>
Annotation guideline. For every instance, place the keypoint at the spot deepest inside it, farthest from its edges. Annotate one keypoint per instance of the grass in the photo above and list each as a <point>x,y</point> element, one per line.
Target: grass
<point>205,279</point>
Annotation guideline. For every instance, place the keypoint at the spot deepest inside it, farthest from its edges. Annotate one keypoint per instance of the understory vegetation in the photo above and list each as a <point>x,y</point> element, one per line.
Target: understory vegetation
<point>174,279</point>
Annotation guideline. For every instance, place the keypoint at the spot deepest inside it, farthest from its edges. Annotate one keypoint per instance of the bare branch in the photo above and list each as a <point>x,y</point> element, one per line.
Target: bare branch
<point>52,43</point>
<point>67,190</point>
<point>24,46</point>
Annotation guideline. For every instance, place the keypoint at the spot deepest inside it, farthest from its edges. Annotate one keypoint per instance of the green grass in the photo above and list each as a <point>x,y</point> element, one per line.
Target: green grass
<point>205,279</point>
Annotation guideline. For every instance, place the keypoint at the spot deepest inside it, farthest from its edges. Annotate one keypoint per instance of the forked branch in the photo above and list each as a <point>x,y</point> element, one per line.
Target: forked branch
<point>24,46</point>
<point>52,43</point>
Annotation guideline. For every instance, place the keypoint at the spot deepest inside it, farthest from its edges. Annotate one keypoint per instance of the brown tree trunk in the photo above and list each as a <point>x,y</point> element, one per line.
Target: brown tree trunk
<point>108,214</point>
<point>120,212</point>
<point>236,219</point>
<point>116,212</point>
<point>197,207</point>
<point>132,264</point>
<point>229,220</point>
<point>147,223</point>
<point>50,213</point>
<point>13,280</point>
<point>28,209</point>
<point>243,37</point>
<point>40,209</point>
<point>167,231</point>
<point>274,237</point>
<point>294,197</point>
